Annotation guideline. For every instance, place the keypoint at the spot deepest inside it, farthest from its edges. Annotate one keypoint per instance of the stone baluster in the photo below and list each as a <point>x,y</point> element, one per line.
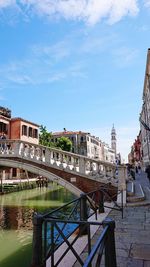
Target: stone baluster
<point>68,162</point>
<point>34,152</point>
<point>39,154</point>
<point>21,149</point>
<point>99,168</point>
<point>47,156</point>
<point>43,154</point>
<point>114,172</point>
<point>28,151</point>
<point>61,160</point>
<point>104,170</point>
<point>55,158</point>
<point>122,175</point>
<point>74,163</point>
<point>81,165</point>
<point>109,171</point>
<point>96,168</point>
<point>11,148</point>
<point>16,148</point>
<point>91,168</point>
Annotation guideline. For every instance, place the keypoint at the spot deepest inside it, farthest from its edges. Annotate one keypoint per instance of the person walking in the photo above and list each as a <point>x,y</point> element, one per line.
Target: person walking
<point>132,172</point>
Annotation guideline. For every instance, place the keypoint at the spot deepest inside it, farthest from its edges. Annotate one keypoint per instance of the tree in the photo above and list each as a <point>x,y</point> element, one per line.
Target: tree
<point>44,136</point>
<point>64,143</point>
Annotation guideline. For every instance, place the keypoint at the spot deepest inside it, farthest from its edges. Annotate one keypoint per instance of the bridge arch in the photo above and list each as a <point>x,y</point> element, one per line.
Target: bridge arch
<point>41,171</point>
<point>75,172</point>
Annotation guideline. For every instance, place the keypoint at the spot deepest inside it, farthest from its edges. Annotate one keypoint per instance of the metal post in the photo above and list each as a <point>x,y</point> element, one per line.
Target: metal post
<point>110,251</point>
<point>37,241</point>
<point>1,177</point>
<point>101,202</point>
<point>83,213</point>
<point>122,192</point>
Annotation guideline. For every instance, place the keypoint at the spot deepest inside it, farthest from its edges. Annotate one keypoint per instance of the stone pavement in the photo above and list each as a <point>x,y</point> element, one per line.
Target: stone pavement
<point>132,233</point>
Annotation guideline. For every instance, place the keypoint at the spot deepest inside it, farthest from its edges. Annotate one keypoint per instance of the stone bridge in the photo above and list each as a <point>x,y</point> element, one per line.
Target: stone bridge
<point>75,172</point>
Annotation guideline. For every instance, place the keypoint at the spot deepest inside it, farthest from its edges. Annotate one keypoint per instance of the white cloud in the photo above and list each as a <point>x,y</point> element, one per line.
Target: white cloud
<point>89,11</point>
<point>56,52</point>
<point>124,56</point>
<point>147,3</point>
<point>7,3</point>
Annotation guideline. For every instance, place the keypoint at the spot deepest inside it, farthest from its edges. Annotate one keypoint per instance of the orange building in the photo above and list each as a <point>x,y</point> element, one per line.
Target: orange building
<point>17,129</point>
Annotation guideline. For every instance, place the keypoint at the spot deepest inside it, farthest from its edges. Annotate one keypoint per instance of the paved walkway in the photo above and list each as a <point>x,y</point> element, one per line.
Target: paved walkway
<point>132,233</point>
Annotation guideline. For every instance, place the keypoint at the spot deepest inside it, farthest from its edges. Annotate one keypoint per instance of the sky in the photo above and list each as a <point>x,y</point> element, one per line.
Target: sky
<point>75,64</point>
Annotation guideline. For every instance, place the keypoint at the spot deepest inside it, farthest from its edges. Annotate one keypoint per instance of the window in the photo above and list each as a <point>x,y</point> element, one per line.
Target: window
<point>24,130</point>
<point>81,139</point>
<point>30,131</point>
<point>35,133</point>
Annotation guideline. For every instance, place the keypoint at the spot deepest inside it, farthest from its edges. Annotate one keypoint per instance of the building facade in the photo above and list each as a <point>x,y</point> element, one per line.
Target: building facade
<point>145,115</point>
<point>17,129</point>
<point>85,144</point>
<point>135,155</point>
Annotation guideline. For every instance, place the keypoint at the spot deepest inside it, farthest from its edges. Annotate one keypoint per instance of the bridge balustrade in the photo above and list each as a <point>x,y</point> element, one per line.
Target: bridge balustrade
<point>56,157</point>
<point>101,171</point>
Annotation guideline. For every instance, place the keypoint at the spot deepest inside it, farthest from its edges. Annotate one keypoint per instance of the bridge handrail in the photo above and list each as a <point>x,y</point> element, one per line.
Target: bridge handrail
<point>62,160</point>
<point>11,141</point>
<point>81,206</point>
<point>105,241</point>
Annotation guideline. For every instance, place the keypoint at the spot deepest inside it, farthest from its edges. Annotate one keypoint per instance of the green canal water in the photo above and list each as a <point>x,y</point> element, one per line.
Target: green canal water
<point>16,212</point>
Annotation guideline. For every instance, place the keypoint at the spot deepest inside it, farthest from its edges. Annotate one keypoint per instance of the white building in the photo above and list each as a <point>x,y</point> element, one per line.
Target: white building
<point>85,144</point>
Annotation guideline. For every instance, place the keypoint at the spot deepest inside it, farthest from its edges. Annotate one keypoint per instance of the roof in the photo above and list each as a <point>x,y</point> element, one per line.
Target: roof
<point>4,118</point>
<point>69,133</point>
<point>20,119</point>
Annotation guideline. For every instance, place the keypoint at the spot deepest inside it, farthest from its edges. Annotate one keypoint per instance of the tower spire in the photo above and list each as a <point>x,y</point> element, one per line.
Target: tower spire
<point>113,139</point>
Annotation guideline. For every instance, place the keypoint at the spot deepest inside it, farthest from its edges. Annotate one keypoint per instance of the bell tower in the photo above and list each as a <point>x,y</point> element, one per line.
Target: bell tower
<point>113,139</point>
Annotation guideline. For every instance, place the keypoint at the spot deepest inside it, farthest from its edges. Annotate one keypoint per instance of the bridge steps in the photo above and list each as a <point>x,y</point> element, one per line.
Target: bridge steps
<point>138,191</point>
<point>135,193</point>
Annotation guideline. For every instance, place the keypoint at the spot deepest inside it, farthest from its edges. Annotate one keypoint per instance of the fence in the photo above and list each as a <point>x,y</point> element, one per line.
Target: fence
<point>53,229</point>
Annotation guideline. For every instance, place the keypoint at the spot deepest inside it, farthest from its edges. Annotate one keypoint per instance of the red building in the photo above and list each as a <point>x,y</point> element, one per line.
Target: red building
<point>17,129</point>
<point>136,151</point>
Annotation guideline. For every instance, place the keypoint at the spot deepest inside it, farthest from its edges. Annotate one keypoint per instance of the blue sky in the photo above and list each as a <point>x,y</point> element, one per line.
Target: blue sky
<point>77,64</point>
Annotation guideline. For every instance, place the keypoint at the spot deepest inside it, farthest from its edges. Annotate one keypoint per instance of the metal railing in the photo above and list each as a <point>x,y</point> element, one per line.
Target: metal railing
<point>52,229</point>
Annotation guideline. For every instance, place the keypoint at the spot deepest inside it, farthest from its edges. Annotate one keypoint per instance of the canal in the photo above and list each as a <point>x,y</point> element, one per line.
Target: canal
<point>16,211</point>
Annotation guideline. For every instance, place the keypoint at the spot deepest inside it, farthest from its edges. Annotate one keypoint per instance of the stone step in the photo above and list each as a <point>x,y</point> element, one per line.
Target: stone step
<point>138,195</point>
<point>143,203</point>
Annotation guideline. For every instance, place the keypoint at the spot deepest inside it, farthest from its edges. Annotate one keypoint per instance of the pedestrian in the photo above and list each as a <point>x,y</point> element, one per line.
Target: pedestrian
<point>3,137</point>
<point>139,169</point>
<point>148,172</point>
<point>132,172</point>
<point>136,167</point>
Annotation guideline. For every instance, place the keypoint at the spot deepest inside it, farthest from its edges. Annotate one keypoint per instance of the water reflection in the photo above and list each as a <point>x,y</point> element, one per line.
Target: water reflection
<point>16,213</point>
